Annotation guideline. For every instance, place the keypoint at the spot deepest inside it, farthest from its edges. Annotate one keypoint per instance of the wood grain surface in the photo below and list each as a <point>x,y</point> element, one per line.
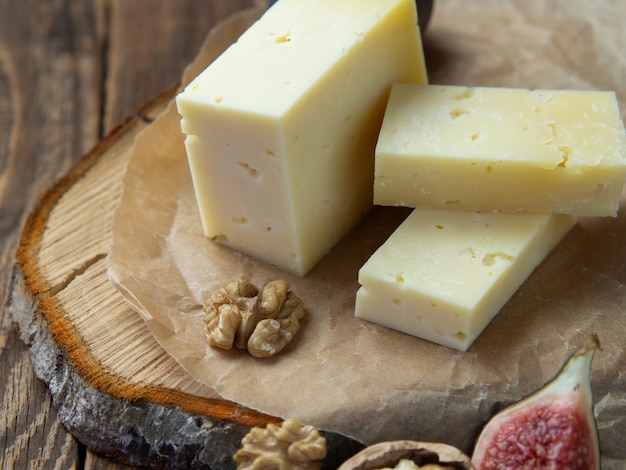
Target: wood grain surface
<point>70,71</point>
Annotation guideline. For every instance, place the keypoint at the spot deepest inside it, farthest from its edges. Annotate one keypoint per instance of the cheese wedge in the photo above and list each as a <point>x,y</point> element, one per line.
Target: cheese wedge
<point>501,149</point>
<point>444,275</point>
<point>281,128</point>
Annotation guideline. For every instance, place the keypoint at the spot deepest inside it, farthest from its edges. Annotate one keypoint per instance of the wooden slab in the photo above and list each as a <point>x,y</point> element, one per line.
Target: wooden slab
<point>140,407</point>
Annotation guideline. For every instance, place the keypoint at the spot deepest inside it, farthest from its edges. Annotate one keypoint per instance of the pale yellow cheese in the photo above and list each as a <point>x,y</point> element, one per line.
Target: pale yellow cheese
<point>443,275</point>
<point>281,128</point>
<point>501,149</point>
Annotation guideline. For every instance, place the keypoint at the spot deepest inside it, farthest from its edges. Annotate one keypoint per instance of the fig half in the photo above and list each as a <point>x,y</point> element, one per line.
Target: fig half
<point>553,428</point>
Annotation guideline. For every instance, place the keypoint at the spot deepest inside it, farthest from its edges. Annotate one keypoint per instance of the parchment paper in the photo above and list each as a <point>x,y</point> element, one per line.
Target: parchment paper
<point>357,378</point>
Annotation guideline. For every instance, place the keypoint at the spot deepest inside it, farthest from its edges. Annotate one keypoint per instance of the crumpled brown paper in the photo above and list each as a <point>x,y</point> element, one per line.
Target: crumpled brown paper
<point>357,378</point>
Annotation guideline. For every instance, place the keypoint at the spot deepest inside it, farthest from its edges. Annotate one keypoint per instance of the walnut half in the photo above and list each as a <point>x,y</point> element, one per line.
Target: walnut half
<point>261,321</point>
<point>288,446</point>
<point>408,455</point>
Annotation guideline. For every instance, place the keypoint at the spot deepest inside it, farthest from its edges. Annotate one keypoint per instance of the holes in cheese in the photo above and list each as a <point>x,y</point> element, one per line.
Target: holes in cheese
<point>252,172</point>
<point>455,113</point>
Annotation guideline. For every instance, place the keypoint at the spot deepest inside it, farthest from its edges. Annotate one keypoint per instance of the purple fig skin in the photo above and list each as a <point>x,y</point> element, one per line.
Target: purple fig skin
<point>553,428</point>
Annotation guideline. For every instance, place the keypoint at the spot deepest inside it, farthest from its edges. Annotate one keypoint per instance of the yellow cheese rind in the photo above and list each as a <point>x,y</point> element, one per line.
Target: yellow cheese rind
<point>281,128</point>
<point>443,275</point>
<point>505,149</point>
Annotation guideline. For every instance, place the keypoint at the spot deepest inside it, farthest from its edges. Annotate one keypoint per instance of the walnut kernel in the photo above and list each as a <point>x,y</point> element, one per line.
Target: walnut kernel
<point>263,322</point>
<point>288,446</point>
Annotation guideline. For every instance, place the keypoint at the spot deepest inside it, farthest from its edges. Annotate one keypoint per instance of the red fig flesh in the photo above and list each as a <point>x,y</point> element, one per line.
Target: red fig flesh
<point>554,428</point>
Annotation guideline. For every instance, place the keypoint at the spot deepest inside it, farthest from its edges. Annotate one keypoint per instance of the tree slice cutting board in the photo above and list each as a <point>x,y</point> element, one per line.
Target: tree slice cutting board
<point>115,387</point>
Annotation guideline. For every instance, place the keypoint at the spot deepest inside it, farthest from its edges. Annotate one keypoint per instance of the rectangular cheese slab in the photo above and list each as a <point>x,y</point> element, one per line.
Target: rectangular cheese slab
<point>501,149</point>
<point>281,128</point>
<point>443,275</point>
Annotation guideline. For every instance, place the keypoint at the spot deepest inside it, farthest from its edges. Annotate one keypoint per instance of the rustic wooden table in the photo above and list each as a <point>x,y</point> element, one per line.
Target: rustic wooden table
<point>69,73</point>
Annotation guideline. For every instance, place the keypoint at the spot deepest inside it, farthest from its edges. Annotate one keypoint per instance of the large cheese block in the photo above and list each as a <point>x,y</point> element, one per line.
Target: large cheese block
<point>443,275</point>
<point>281,128</point>
<point>501,149</point>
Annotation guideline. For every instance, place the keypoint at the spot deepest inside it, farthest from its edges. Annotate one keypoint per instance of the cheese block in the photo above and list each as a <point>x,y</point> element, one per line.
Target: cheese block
<point>443,275</point>
<point>501,149</point>
<point>281,128</point>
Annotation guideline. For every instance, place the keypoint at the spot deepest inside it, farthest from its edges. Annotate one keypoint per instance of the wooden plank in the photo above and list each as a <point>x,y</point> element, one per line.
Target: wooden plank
<point>149,44</point>
<point>49,69</point>
<point>30,433</point>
